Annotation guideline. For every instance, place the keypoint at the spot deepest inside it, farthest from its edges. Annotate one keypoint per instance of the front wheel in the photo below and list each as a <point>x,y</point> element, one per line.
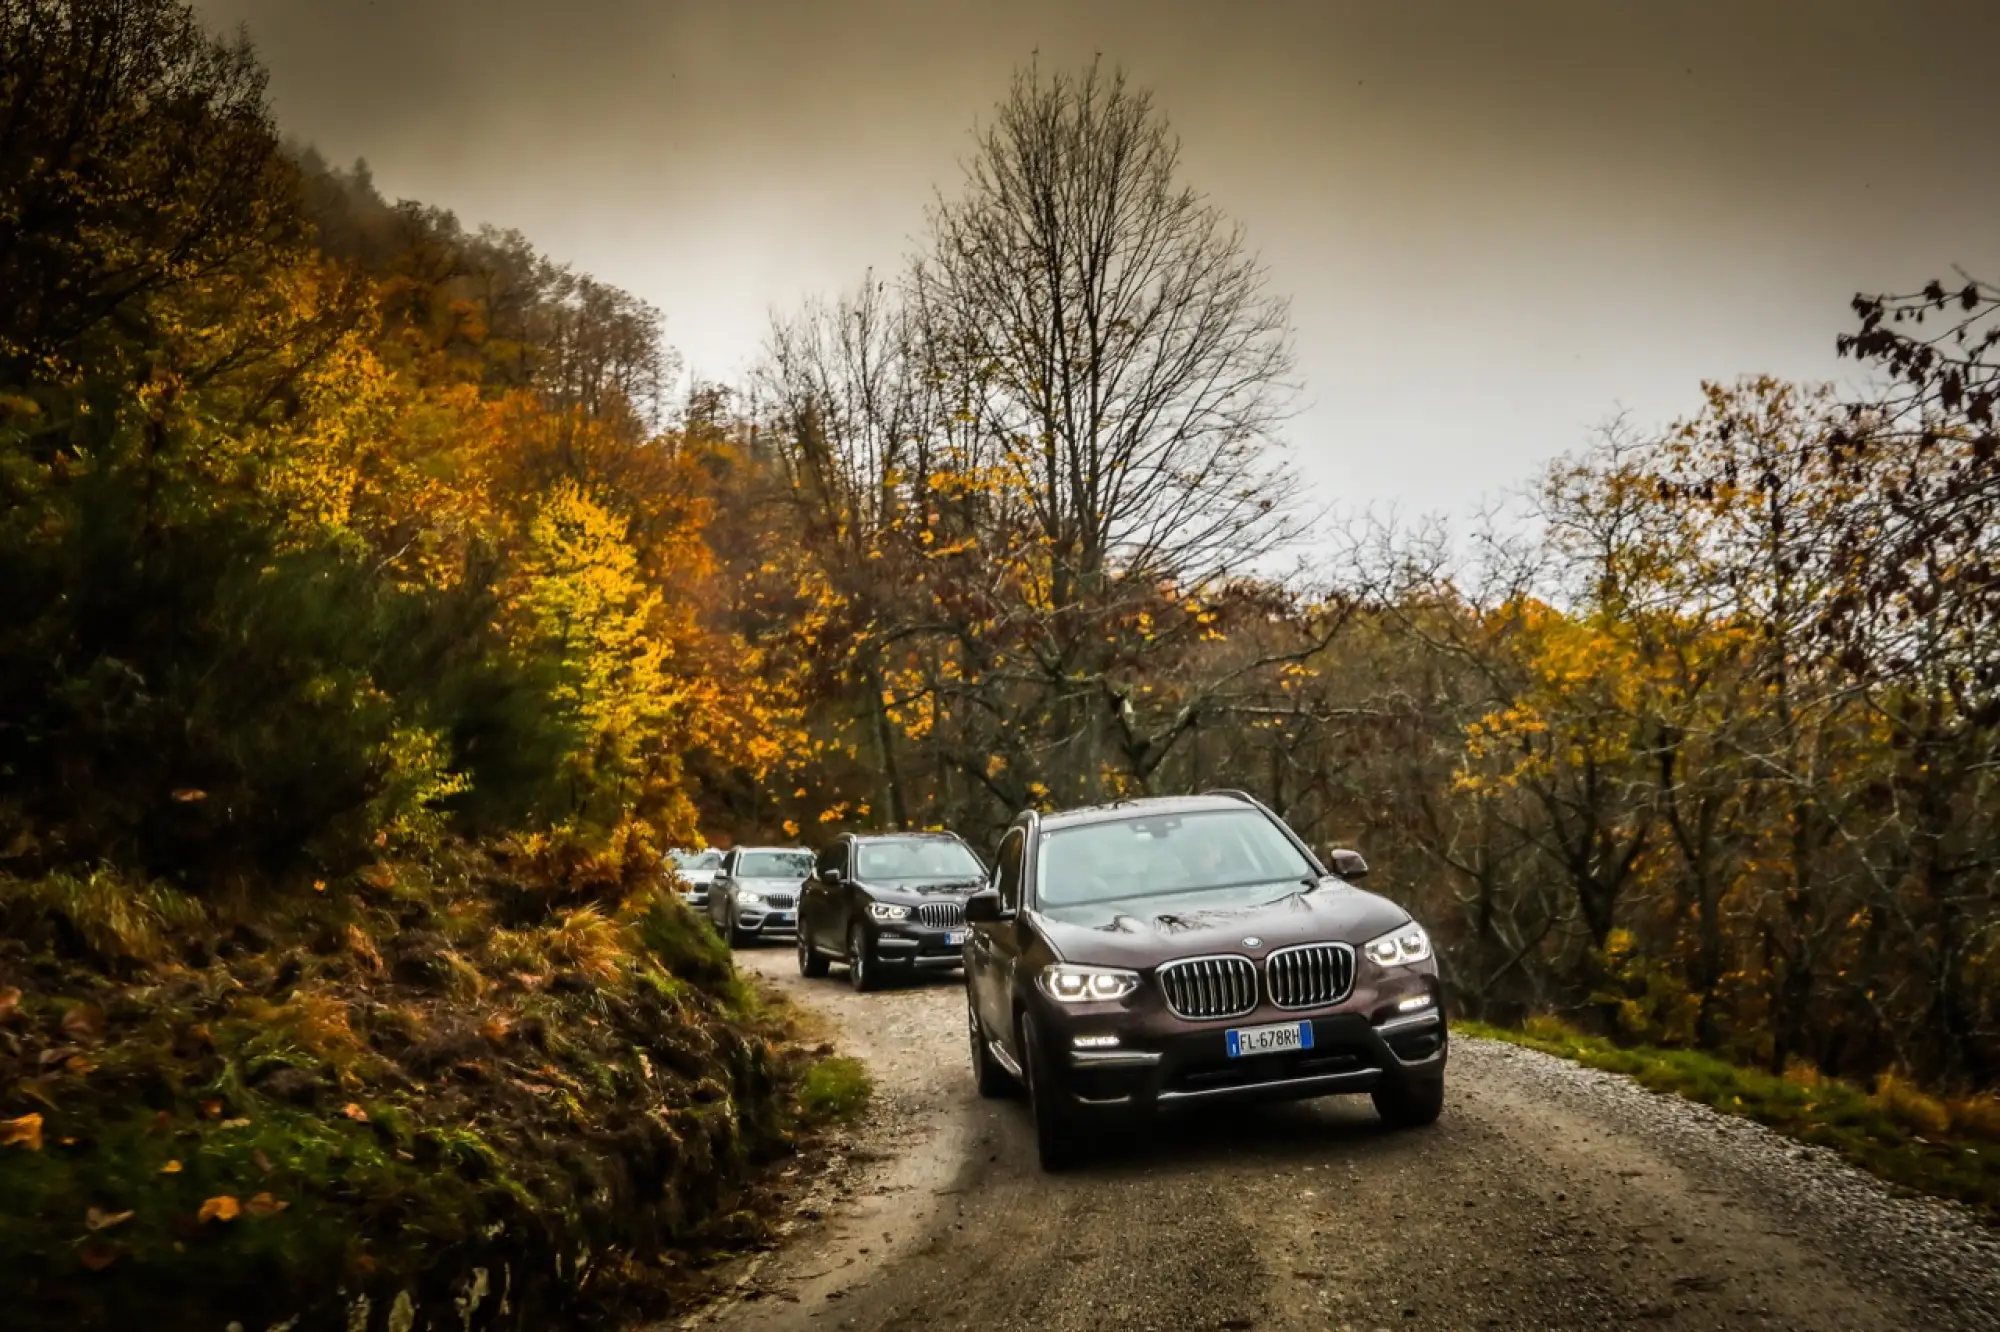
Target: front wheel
<point>1411,1104</point>
<point>737,938</point>
<point>811,965</point>
<point>861,966</point>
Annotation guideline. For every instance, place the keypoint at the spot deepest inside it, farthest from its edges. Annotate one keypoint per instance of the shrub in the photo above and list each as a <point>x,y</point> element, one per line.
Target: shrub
<point>835,1089</point>
<point>685,944</point>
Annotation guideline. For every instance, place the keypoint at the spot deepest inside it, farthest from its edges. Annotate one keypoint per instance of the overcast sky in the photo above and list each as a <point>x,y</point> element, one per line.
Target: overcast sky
<point>1499,221</point>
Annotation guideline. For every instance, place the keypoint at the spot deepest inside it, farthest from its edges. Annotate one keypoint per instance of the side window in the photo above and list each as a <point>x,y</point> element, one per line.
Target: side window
<point>1007,870</point>
<point>831,857</point>
<point>728,870</point>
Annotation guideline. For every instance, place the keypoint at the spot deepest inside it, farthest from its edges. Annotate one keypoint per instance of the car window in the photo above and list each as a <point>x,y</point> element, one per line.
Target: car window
<point>698,860</point>
<point>916,858</point>
<point>1007,870</point>
<point>1164,855</point>
<point>774,864</point>
<point>831,858</point>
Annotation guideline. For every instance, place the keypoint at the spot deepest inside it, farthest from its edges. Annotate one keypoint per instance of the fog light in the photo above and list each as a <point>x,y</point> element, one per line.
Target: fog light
<point>1094,1042</point>
<point>1412,1005</point>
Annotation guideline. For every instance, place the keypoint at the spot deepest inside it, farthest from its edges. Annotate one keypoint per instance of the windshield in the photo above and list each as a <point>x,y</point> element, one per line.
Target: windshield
<point>697,860</point>
<point>1165,856</point>
<point>774,865</point>
<point>917,858</point>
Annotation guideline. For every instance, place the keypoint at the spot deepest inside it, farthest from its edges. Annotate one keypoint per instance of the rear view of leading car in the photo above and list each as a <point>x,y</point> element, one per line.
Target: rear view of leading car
<point>1158,954</point>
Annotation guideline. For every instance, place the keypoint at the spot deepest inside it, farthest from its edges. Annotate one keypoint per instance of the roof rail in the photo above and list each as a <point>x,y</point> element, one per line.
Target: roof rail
<point>1232,793</point>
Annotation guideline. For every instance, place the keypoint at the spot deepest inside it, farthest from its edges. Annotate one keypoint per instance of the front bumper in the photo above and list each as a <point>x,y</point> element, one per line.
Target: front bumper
<point>907,943</point>
<point>767,921</point>
<point>1162,1062</point>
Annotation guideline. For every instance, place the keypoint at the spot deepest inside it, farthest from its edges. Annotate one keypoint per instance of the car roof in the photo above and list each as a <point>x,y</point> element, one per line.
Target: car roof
<point>1129,809</point>
<point>926,835</point>
<point>797,850</point>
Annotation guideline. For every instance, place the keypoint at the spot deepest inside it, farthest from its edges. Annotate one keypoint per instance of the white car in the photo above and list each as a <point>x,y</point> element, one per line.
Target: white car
<point>697,870</point>
<point>756,894</point>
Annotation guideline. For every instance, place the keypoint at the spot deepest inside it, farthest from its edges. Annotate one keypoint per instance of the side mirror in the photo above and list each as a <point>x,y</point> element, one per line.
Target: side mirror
<point>983,908</point>
<point>1347,864</point>
<point>831,874</point>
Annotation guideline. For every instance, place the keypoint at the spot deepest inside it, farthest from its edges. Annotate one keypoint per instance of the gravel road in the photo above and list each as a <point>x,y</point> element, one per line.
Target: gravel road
<point>1548,1196</point>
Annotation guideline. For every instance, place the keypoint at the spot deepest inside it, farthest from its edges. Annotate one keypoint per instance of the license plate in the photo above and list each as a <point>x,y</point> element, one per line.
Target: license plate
<point>954,938</point>
<point>781,917</point>
<point>1270,1040</point>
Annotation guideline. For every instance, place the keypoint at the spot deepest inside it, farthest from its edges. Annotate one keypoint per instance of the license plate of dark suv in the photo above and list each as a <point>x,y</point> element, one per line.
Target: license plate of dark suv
<point>1277,1039</point>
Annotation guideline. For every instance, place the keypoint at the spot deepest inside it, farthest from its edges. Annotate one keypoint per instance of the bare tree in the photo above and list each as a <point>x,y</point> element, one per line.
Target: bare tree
<point>1115,338</point>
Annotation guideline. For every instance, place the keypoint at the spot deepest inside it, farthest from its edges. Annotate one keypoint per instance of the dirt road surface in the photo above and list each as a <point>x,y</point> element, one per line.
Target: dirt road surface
<point>1548,1196</point>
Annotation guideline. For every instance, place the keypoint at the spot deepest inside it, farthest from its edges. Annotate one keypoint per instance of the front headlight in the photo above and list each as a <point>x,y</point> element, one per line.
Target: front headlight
<point>746,896</point>
<point>1400,946</point>
<point>1067,983</point>
<point>888,911</point>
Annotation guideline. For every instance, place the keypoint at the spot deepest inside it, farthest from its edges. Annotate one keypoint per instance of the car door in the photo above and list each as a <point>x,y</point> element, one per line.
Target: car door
<point>991,947</point>
<point>816,897</point>
<point>840,898</point>
<point>720,891</point>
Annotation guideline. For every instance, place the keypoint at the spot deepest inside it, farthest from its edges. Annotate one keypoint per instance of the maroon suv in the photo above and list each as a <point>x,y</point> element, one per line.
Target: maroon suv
<point>1164,953</point>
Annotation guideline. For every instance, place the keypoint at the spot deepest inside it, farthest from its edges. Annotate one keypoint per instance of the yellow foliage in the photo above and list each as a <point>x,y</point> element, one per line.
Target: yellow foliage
<point>1910,1106</point>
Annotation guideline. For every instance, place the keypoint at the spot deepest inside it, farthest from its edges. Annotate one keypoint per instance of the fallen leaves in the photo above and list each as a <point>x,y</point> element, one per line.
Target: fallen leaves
<point>97,1255</point>
<point>171,1168</point>
<point>98,1219</point>
<point>264,1205</point>
<point>354,1112</point>
<point>23,1132</point>
<point>84,1023</point>
<point>10,1001</point>
<point>222,1207</point>
<point>188,795</point>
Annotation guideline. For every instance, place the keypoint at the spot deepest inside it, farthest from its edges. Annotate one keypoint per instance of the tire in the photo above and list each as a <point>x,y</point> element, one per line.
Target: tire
<point>811,965</point>
<point>1410,1104</point>
<point>994,1081</point>
<point>1056,1134</point>
<point>737,938</point>
<point>863,970</point>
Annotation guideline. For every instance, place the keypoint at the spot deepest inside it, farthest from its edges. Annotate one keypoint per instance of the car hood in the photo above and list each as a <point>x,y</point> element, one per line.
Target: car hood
<point>1135,935</point>
<point>904,890</point>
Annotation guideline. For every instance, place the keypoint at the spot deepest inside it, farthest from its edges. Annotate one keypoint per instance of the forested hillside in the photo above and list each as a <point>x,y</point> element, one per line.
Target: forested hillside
<point>354,661</point>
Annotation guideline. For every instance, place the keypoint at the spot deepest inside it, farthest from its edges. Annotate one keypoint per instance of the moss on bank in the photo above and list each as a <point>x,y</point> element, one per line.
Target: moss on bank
<point>499,1096</point>
<point>1946,1148</point>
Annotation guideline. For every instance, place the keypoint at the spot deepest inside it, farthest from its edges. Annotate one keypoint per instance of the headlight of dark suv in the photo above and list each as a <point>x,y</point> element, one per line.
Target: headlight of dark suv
<point>1399,947</point>
<point>1069,983</point>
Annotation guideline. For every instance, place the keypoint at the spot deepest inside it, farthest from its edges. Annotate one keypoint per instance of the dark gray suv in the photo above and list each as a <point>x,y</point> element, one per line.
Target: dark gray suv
<point>1165,953</point>
<point>888,903</point>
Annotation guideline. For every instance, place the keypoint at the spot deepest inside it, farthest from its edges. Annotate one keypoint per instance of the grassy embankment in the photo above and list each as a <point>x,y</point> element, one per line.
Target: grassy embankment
<point>505,1091</point>
<point>1949,1148</point>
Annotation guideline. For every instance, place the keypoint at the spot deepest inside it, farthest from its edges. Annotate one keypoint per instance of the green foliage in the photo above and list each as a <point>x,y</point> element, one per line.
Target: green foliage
<point>684,943</point>
<point>835,1089</point>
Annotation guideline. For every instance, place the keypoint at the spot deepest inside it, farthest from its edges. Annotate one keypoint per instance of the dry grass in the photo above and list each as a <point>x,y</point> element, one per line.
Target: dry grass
<point>116,917</point>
